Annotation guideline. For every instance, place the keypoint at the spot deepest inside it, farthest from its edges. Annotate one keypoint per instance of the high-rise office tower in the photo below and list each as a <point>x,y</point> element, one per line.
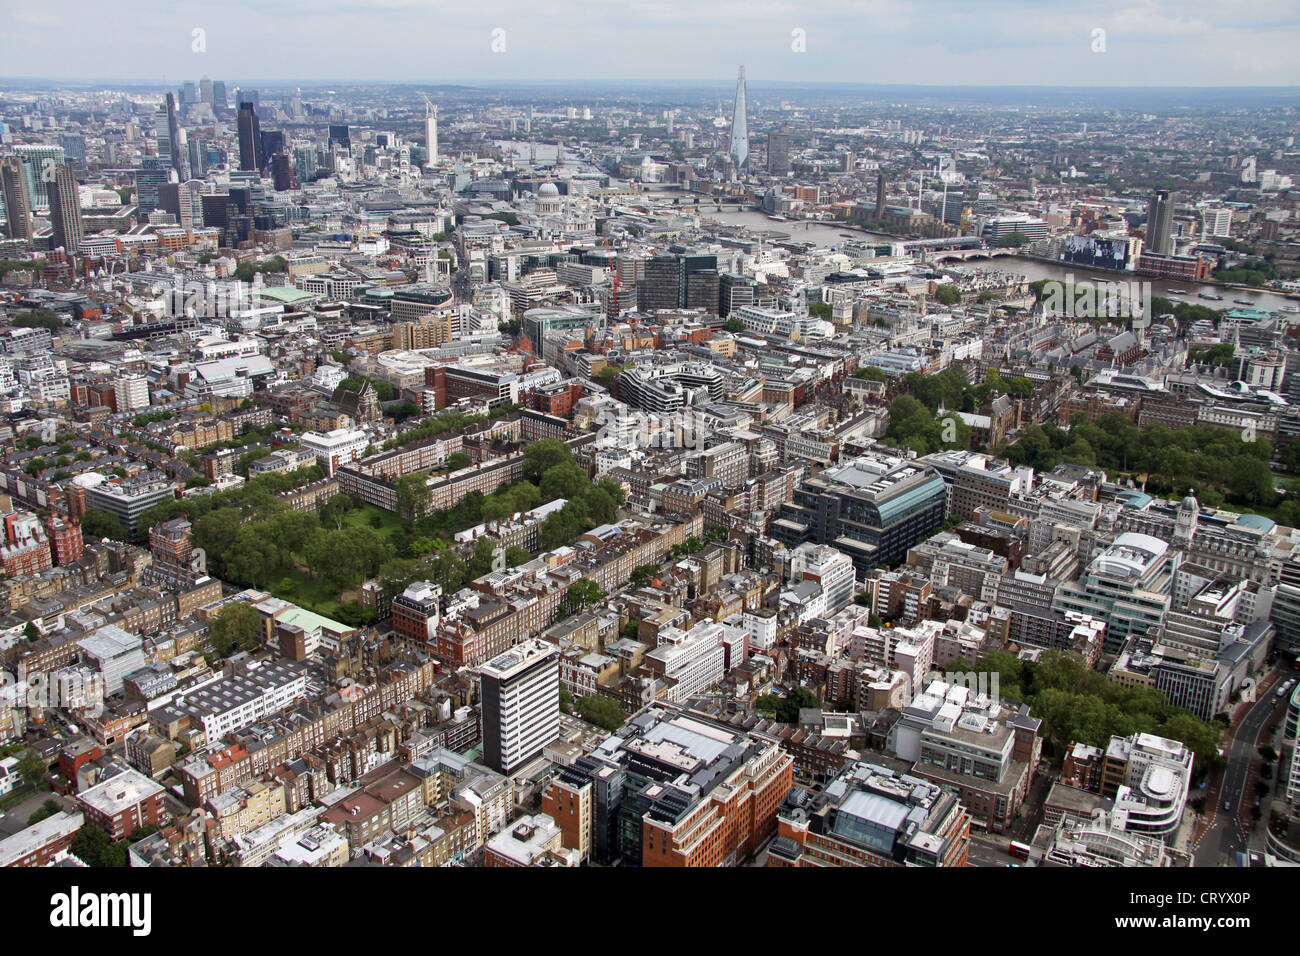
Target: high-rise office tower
<point>520,704</point>
<point>189,93</point>
<point>148,182</point>
<point>673,281</point>
<point>169,136</point>
<point>880,194</point>
<point>205,90</point>
<point>281,172</point>
<point>250,137</point>
<point>184,201</point>
<point>738,147</point>
<point>734,292</point>
<point>218,95</point>
<point>272,142</point>
<point>778,151</point>
<point>1217,222</point>
<point>304,163</point>
<point>65,209</point>
<point>39,162</point>
<point>339,134</point>
<point>702,289</point>
<point>18,208</point>
<point>74,148</point>
<point>198,158</point>
<point>1160,214</point>
<point>431,132</point>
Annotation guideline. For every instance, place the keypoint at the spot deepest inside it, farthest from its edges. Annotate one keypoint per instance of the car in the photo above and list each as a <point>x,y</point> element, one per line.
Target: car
<point>1227,804</point>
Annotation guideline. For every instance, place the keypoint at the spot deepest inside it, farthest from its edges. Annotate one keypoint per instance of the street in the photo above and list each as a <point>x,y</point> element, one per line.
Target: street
<point>1229,830</point>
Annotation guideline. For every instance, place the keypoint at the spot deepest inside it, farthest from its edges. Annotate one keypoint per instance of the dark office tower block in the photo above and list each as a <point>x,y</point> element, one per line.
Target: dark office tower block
<point>702,290</point>
<point>65,209</point>
<point>272,143</point>
<point>778,151</point>
<point>658,287</point>
<point>734,292</point>
<point>169,136</point>
<point>250,138</point>
<point>148,183</point>
<point>1160,214</point>
<point>214,210</point>
<point>241,200</point>
<point>281,172</point>
<point>18,205</point>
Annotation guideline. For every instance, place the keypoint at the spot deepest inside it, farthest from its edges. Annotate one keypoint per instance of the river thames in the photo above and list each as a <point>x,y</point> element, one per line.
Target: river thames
<point>835,234</point>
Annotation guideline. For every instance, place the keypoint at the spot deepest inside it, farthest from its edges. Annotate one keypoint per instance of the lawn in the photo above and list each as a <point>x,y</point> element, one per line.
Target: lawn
<point>308,592</point>
<point>360,517</point>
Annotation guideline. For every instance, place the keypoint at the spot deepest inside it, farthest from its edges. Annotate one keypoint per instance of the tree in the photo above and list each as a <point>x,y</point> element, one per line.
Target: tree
<point>947,294</point>
<point>786,709</point>
<point>457,461</point>
<point>101,524</point>
<point>483,558</point>
<point>413,495</point>
<point>288,532</point>
<point>47,809</point>
<point>543,455</point>
<point>335,510</point>
<point>565,480</point>
<point>253,558</point>
<point>237,625</point>
<point>734,325</point>
<point>642,575</point>
<point>516,556</point>
<point>497,508</point>
<point>566,698</point>
<point>32,768</point>
<point>447,571</point>
<point>582,593</point>
<point>93,847</point>
<point>602,711</point>
<point>38,318</point>
<point>31,631</point>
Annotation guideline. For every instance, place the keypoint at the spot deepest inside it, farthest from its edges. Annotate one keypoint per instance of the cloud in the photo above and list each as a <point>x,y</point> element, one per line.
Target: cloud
<point>935,42</point>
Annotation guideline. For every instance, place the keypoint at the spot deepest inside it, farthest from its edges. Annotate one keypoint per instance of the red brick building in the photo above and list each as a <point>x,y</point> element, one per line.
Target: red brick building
<point>123,804</point>
<point>66,543</point>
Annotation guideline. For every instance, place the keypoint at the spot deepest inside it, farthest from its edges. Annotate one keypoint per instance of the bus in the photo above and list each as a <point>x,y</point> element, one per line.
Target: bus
<point>1019,850</point>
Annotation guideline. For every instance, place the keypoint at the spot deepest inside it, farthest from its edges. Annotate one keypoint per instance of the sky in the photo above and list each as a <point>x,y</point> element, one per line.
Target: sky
<point>931,42</point>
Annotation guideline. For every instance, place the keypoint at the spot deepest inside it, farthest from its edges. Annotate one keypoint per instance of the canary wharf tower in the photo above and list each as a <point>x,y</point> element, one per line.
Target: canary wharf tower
<point>739,149</point>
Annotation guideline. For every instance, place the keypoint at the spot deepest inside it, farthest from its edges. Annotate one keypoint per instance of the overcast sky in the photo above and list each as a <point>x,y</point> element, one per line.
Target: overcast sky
<point>940,42</point>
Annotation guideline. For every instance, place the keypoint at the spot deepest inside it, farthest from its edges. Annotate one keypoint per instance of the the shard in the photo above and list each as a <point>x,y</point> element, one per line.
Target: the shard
<point>740,126</point>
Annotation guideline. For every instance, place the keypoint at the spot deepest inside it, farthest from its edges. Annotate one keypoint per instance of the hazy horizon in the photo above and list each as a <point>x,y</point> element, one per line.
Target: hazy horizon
<point>1149,44</point>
